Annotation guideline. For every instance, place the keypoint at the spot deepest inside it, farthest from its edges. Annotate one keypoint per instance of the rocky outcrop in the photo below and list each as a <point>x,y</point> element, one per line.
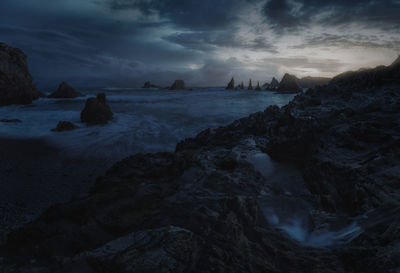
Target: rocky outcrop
<point>96,111</point>
<point>311,82</point>
<point>213,206</point>
<point>148,84</point>
<point>250,85</point>
<point>231,84</point>
<point>65,126</point>
<point>178,85</point>
<point>16,83</point>
<point>258,88</point>
<point>289,84</point>
<point>65,91</point>
<point>272,86</point>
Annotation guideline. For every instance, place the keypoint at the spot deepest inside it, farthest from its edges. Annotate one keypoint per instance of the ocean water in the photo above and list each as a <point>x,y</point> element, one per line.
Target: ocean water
<point>144,120</point>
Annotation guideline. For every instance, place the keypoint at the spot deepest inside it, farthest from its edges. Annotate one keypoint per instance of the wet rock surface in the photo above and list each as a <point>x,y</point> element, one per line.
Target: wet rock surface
<point>96,111</point>
<point>65,91</point>
<point>16,83</point>
<point>215,206</point>
<point>65,126</point>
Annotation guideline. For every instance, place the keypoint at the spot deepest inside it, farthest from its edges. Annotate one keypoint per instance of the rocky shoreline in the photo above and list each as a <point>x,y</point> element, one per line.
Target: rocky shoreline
<point>211,207</point>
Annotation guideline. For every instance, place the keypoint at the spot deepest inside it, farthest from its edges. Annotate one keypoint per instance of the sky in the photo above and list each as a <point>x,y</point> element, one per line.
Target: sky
<point>124,43</point>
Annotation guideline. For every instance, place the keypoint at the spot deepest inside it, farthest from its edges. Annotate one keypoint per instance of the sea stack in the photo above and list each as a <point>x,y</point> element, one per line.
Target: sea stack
<point>65,91</point>
<point>178,85</point>
<point>250,86</point>
<point>231,85</point>
<point>16,83</point>
<point>258,88</point>
<point>274,84</point>
<point>289,84</point>
<point>96,111</point>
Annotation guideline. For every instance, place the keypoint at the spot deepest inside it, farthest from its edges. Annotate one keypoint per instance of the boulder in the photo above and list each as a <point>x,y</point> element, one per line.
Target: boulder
<point>96,111</point>
<point>258,88</point>
<point>178,85</point>
<point>64,126</point>
<point>16,83</point>
<point>289,84</point>
<point>231,84</point>
<point>65,91</point>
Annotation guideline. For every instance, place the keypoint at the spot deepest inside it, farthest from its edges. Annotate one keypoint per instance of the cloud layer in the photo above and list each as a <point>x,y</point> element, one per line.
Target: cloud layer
<point>125,42</point>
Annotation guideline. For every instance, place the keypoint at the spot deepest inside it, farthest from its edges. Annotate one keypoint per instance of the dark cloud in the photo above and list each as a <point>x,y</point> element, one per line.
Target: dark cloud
<point>350,41</point>
<point>292,14</point>
<point>212,40</point>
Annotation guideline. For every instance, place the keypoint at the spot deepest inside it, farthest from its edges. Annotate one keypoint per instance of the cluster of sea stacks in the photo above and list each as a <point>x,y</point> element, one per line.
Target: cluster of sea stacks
<point>288,84</point>
<point>17,87</point>
<point>177,85</point>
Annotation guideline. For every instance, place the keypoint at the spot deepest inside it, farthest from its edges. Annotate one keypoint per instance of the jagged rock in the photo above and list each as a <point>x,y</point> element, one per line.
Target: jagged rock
<point>96,111</point>
<point>289,84</point>
<point>65,126</point>
<point>250,85</point>
<point>231,84</point>
<point>209,207</point>
<point>274,84</point>
<point>65,91</point>
<point>258,88</point>
<point>16,84</point>
<point>178,85</point>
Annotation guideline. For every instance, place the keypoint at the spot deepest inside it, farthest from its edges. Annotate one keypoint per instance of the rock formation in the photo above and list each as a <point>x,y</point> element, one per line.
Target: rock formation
<point>311,82</point>
<point>231,84</point>
<point>65,91</point>
<point>65,126</point>
<point>289,84</point>
<point>16,84</point>
<point>96,111</point>
<point>208,208</point>
<point>250,85</point>
<point>274,84</point>
<point>258,88</point>
<point>148,84</point>
<point>178,85</point>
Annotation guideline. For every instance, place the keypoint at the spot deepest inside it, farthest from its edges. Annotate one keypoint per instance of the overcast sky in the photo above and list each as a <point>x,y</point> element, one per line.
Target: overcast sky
<point>204,42</point>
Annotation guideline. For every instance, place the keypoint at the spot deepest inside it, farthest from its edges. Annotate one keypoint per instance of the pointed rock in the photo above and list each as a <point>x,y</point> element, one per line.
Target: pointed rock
<point>231,84</point>
<point>274,84</point>
<point>65,91</point>
<point>289,84</point>
<point>258,88</point>
<point>250,85</point>
<point>96,111</point>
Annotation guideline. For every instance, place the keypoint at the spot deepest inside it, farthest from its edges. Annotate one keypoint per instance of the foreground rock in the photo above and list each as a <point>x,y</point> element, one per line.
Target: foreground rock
<point>212,207</point>
<point>178,85</point>
<point>65,126</point>
<point>16,84</point>
<point>231,85</point>
<point>65,91</point>
<point>289,84</point>
<point>96,111</point>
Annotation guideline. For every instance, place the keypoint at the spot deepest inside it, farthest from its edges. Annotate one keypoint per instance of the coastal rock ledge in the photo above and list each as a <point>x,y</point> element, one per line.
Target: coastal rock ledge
<point>207,207</point>
<point>16,84</point>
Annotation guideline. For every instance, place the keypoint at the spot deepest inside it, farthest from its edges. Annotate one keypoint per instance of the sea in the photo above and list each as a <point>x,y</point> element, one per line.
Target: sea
<point>145,120</point>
